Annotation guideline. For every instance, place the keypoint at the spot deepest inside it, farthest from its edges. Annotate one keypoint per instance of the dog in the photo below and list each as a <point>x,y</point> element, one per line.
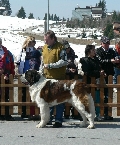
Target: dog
<point>50,92</point>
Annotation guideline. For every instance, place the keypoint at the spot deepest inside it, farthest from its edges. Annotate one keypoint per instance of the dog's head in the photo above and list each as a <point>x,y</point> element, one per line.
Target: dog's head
<point>30,77</point>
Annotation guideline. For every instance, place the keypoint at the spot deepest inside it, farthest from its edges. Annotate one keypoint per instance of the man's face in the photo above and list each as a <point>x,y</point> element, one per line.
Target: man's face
<point>105,45</point>
<point>49,41</point>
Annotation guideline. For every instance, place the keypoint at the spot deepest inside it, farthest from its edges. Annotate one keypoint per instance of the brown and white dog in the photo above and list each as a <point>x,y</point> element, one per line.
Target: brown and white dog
<point>50,92</point>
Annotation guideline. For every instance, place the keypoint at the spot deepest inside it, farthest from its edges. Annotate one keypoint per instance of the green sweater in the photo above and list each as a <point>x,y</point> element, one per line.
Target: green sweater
<point>52,56</point>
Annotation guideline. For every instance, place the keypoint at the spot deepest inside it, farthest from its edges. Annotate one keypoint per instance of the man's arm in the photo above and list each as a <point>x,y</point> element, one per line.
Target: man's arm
<point>60,63</point>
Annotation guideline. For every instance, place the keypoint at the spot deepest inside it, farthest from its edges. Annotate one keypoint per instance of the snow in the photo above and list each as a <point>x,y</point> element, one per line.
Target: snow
<point>10,26</point>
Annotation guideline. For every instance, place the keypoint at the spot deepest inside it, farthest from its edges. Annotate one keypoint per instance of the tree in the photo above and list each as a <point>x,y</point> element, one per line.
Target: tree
<point>109,31</point>
<point>45,18</point>
<point>31,16</point>
<point>21,13</point>
<point>102,4</point>
<point>114,16</point>
<point>7,10</point>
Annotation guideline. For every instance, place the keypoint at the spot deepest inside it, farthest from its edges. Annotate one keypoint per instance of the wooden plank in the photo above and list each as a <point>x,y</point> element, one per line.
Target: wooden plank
<point>2,95</point>
<point>37,110</point>
<point>102,96</point>
<point>11,94</point>
<point>110,94</point>
<point>93,81</point>
<point>118,96</point>
<point>67,109</point>
<point>27,100</point>
<point>19,97</point>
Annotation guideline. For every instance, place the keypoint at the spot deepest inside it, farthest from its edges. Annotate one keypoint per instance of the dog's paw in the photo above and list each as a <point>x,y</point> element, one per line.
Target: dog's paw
<point>40,125</point>
<point>91,127</point>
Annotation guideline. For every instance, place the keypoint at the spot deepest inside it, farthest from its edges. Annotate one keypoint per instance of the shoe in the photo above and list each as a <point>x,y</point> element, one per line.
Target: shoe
<point>49,123</point>
<point>115,90</point>
<point>9,118</point>
<point>108,117</point>
<point>24,116</point>
<point>34,117</point>
<point>99,119</point>
<point>2,117</point>
<point>57,125</point>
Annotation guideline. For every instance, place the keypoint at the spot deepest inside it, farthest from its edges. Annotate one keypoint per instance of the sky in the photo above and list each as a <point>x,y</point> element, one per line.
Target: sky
<point>62,8</point>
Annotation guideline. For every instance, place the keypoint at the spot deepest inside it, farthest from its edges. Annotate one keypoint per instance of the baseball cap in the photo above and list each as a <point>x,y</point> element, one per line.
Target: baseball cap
<point>105,39</point>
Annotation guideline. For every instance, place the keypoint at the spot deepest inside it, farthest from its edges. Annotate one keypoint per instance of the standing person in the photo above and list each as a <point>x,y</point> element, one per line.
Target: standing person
<point>7,68</point>
<point>71,69</point>
<point>117,66</point>
<point>54,64</point>
<point>91,68</point>
<point>106,56</point>
<point>29,58</point>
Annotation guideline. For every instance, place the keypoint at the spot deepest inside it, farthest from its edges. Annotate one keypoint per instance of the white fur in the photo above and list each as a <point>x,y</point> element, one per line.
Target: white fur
<point>74,100</point>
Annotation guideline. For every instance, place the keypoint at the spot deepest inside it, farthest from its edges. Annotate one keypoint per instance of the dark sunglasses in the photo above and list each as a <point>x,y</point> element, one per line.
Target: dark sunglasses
<point>106,43</point>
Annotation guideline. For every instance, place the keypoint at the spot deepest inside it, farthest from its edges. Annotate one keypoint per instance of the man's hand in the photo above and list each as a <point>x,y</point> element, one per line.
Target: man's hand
<point>46,66</point>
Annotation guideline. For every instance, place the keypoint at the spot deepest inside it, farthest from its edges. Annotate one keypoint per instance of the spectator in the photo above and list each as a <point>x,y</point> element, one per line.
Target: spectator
<point>7,67</point>
<point>106,56</point>
<point>71,69</point>
<point>29,58</point>
<point>117,66</point>
<point>54,64</point>
<point>91,68</point>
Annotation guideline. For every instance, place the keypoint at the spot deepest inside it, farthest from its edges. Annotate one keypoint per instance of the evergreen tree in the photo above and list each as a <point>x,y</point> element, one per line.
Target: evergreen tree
<point>102,4</point>
<point>31,16</point>
<point>6,4</point>
<point>55,17</point>
<point>45,18</point>
<point>114,16</point>
<point>52,17</point>
<point>21,13</point>
<point>109,31</point>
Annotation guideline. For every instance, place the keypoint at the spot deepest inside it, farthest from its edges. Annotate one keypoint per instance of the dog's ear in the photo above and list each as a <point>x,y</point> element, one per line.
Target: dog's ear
<point>36,76</point>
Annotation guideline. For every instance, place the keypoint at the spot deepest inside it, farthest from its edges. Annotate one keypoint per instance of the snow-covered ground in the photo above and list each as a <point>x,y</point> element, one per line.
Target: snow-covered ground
<point>10,26</point>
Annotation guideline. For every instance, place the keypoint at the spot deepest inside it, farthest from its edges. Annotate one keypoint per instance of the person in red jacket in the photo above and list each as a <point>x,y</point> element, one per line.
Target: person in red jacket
<point>7,62</point>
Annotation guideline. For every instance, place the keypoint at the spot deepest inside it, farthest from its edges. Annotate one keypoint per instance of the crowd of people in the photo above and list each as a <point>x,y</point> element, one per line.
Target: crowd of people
<point>56,57</point>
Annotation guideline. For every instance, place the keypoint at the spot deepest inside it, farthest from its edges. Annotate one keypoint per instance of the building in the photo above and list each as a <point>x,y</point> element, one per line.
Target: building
<point>88,12</point>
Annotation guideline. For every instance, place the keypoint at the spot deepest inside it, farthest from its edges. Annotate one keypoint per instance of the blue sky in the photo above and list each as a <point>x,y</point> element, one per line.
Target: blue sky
<point>63,8</point>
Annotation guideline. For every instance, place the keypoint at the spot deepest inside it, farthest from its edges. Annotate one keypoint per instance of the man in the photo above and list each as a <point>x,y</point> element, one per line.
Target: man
<point>54,67</point>
<point>8,62</point>
<point>107,60</point>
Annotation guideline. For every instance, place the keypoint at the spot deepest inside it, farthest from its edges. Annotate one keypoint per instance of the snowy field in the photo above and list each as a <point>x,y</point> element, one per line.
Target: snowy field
<point>11,26</point>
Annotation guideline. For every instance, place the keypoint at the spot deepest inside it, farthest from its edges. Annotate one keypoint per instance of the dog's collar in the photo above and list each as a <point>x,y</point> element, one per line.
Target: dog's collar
<point>26,83</point>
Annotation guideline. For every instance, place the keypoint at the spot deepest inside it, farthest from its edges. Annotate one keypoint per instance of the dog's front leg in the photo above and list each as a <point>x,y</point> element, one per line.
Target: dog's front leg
<point>45,116</point>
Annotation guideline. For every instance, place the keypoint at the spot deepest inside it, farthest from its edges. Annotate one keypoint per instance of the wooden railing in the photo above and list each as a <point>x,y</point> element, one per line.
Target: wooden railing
<point>15,96</point>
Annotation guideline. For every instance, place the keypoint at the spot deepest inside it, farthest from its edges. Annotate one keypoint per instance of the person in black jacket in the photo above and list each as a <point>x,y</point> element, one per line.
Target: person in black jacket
<point>106,56</point>
<point>91,68</point>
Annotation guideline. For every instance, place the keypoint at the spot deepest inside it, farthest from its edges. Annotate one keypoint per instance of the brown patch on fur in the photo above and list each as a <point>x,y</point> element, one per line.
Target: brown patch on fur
<point>55,91</point>
<point>80,91</point>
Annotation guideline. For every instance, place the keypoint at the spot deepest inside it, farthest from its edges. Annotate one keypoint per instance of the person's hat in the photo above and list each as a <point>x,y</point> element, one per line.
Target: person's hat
<point>105,39</point>
<point>65,44</point>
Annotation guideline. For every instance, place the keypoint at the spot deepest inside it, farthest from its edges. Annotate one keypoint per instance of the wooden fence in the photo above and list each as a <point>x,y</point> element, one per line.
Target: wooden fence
<point>15,99</point>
